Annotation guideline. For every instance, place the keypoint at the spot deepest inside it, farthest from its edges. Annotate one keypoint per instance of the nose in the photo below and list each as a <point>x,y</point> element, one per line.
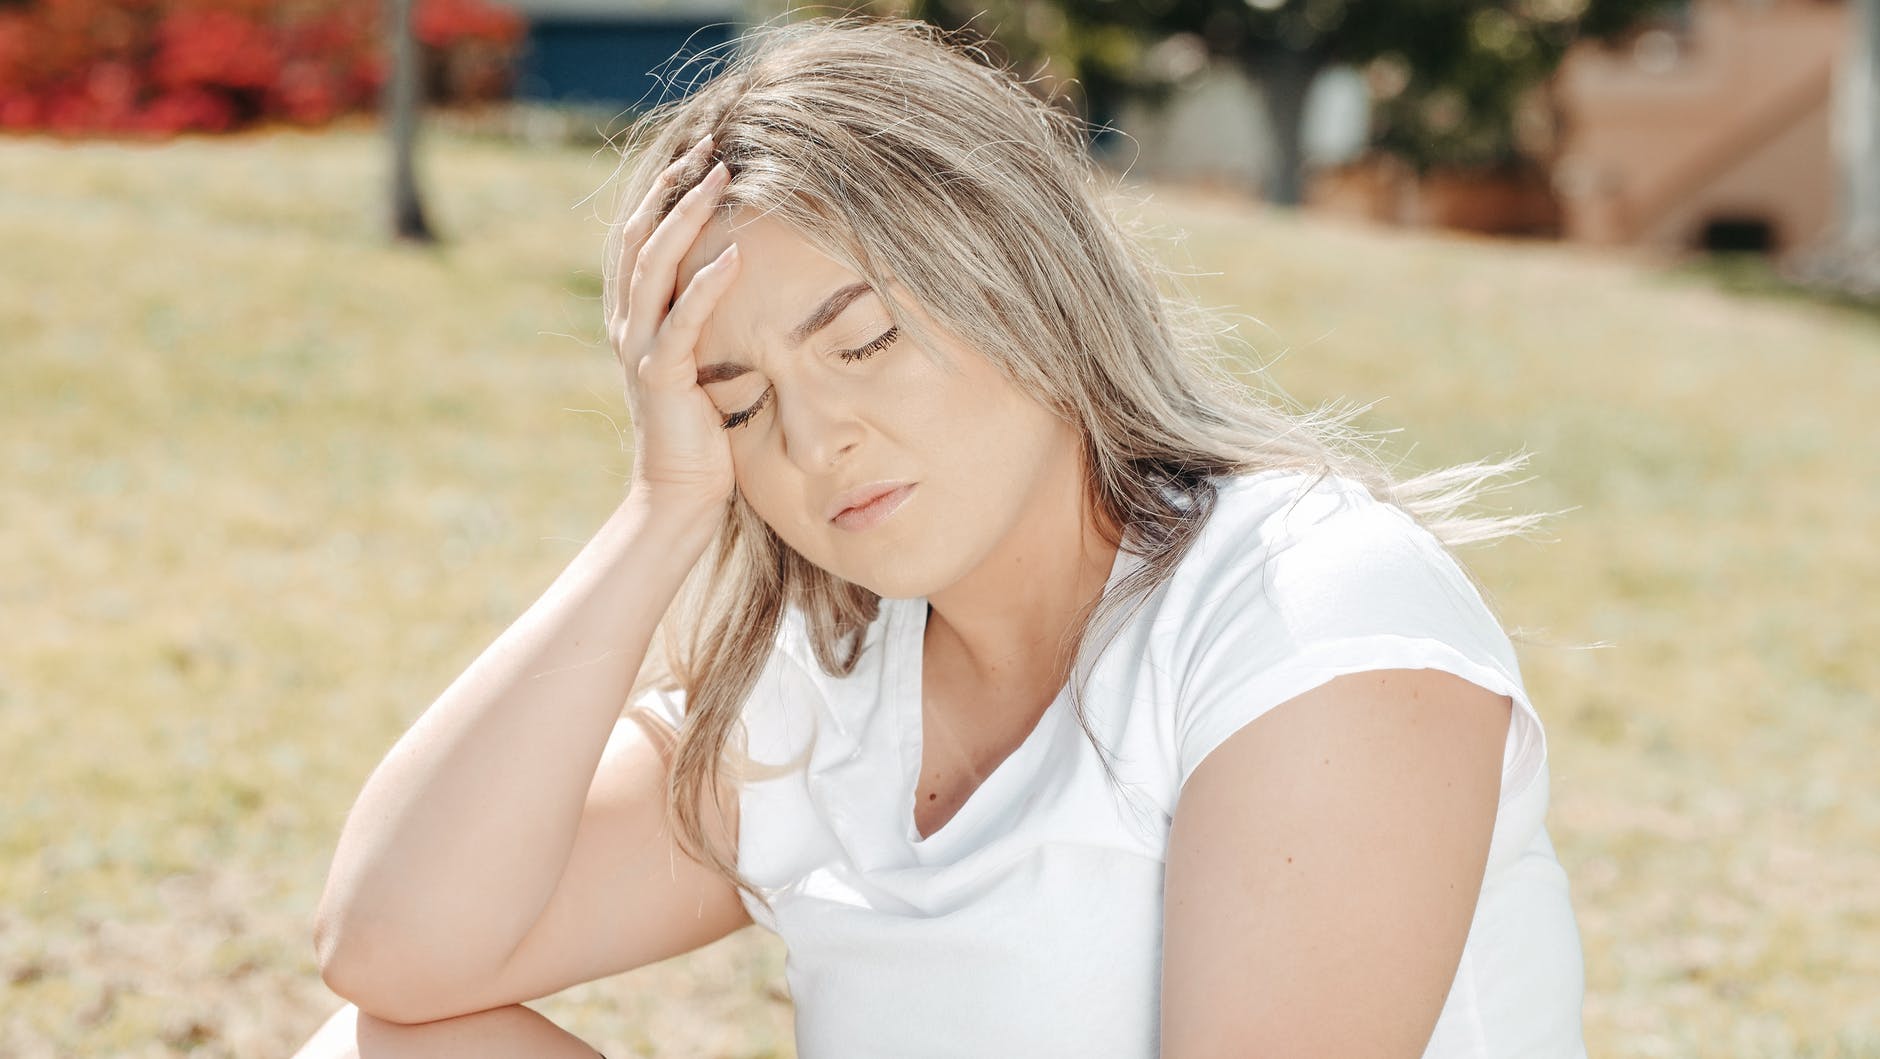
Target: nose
<point>819,429</point>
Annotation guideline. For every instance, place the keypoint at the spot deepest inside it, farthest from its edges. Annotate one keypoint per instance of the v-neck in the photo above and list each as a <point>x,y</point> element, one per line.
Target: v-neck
<point>910,698</point>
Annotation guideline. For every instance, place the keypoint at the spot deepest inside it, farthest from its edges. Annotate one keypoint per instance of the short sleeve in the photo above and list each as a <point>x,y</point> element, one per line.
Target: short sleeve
<point>666,704</point>
<point>779,728</point>
<point>1295,594</point>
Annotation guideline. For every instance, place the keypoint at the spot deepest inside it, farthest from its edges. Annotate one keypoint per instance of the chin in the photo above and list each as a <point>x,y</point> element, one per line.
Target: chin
<point>899,591</point>
<point>895,575</point>
<point>891,582</point>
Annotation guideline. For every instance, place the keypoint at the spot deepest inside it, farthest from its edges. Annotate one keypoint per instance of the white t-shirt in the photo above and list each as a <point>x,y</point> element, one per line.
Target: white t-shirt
<point>1030,923</point>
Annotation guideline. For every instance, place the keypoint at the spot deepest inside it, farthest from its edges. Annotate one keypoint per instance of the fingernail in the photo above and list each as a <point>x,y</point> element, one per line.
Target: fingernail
<point>704,142</point>
<point>718,173</point>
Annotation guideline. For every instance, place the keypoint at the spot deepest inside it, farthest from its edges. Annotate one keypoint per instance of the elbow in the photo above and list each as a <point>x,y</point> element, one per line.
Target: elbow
<point>365,960</point>
<point>334,952</point>
<point>325,943</point>
<point>386,999</point>
<point>366,973</point>
<point>340,949</point>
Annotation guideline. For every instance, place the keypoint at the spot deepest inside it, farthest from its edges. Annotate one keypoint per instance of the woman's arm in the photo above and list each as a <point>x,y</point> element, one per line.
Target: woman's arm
<point>459,837</point>
<point>462,835</point>
<point>1324,866</point>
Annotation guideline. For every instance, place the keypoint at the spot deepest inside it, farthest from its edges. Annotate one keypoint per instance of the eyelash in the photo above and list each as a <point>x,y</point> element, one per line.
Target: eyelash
<point>738,419</point>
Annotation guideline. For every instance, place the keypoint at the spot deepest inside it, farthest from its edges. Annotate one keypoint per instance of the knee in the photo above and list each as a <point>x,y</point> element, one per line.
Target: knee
<point>512,1030</point>
<point>354,1034</point>
<point>337,1037</point>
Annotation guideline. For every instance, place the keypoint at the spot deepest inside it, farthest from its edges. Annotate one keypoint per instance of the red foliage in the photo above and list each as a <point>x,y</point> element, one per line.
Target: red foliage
<point>440,23</point>
<point>189,108</point>
<point>210,48</point>
<point>157,67</point>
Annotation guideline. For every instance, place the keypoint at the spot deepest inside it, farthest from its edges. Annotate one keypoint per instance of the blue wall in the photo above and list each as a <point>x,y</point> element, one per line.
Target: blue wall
<point>609,61</point>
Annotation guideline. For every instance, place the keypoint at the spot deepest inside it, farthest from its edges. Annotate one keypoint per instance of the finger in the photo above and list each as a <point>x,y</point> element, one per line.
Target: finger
<point>675,353</point>
<point>656,266</point>
<point>645,216</point>
<point>655,271</point>
<point>646,213</point>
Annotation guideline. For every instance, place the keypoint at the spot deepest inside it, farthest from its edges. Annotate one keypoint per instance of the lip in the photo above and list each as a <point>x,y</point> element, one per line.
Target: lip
<point>867,505</point>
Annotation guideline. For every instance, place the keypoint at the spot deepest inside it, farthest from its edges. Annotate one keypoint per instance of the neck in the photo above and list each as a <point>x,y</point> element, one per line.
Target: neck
<point>1011,624</point>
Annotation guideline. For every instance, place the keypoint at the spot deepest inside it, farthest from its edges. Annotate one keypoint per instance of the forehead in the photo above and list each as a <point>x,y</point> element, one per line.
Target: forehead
<point>780,278</point>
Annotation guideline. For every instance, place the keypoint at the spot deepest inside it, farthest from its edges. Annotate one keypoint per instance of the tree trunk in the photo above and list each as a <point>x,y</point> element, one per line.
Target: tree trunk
<point>1284,76</point>
<point>401,102</point>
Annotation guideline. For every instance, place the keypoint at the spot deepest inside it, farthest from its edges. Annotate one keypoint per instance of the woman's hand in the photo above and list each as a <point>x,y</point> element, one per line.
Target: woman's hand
<point>682,455</point>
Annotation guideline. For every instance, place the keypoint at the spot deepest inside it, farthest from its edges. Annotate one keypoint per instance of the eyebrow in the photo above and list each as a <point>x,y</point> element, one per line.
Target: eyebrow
<point>823,315</point>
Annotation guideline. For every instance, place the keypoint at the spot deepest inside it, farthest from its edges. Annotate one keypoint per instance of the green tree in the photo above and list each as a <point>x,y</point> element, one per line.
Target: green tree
<point>1459,71</point>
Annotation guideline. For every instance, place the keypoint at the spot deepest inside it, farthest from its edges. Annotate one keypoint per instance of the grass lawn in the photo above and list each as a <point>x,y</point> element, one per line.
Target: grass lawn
<point>269,484</point>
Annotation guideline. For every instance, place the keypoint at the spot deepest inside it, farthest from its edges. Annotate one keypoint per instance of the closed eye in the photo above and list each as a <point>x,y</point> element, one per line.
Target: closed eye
<point>887,339</point>
<point>738,419</point>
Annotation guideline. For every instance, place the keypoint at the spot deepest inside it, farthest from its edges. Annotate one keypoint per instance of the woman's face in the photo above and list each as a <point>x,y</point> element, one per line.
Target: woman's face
<point>980,453</point>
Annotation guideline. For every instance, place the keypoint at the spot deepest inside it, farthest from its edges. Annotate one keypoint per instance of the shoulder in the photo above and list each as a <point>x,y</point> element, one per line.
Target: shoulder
<point>789,670</point>
<point>797,708</point>
<point>1317,553</point>
<point>1279,508</point>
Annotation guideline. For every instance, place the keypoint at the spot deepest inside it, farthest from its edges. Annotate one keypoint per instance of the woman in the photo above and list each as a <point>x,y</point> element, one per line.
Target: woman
<point>949,540</point>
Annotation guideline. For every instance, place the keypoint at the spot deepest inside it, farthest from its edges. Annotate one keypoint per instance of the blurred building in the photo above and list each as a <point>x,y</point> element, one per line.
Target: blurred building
<point>1708,127</point>
<point>620,53</point>
<point>1706,130</point>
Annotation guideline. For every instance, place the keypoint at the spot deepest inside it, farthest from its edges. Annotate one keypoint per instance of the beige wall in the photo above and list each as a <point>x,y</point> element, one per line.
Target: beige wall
<point>1734,120</point>
<point>1789,180</point>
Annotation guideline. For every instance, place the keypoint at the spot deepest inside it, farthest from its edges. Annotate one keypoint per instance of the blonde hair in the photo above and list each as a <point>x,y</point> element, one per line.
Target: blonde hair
<point>908,154</point>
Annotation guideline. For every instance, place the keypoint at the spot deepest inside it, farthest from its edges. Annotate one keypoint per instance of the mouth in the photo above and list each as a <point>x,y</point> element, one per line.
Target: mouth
<point>874,510</point>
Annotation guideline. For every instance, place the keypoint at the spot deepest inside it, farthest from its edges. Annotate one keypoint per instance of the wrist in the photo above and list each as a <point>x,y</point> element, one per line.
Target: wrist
<point>683,519</point>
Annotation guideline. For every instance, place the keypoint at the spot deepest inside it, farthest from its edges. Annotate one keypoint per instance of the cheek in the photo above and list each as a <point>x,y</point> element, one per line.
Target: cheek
<point>755,483</point>
<point>771,486</point>
<point>969,407</point>
<point>936,400</point>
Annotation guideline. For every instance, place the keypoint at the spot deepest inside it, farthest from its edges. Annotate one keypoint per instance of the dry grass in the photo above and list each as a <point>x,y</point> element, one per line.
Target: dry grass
<point>269,484</point>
